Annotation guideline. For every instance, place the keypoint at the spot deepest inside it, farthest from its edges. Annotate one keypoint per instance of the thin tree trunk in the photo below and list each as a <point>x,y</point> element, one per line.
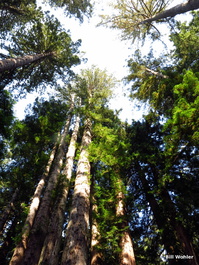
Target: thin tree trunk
<point>52,243</point>
<point>13,63</point>
<point>176,10</point>
<point>156,73</point>
<point>127,256</point>
<point>7,211</point>
<point>77,233</point>
<point>96,256</point>
<point>22,245</point>
<point>40,227</point>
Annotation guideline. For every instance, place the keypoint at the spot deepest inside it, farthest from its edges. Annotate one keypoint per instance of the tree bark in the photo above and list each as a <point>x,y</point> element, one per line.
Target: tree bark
<point>77,233</point>
<point>96,255</point>
<point>7,211</point>
<point>40,226</point>
<point>13,63</point>
<point>52,243</point>
<point>127,256</point>
<point>156,73</point>
<point>176,10</point>
<point>22,245</point>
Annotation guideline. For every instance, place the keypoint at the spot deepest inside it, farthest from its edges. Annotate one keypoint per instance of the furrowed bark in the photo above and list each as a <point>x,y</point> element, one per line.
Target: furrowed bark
<point>51,248</point>
<point>22,245</point>
<point>77,233</point>
<point>13,63</point>
<point>127,256</point>
<point>40,227</point>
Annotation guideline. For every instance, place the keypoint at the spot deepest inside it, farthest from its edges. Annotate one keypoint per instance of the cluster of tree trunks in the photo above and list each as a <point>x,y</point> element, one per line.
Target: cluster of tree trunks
<point>41,240</point>
<point>42,234</point>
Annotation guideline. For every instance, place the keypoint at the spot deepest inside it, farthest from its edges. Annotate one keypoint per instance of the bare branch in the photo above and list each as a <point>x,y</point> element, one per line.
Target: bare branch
<point>156,73</point>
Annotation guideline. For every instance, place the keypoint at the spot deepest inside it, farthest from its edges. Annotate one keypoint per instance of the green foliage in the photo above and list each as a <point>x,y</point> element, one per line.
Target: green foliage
<point>186,39</point>
<point>107,142</point>
<point>6,122</point>
<point>31,142</point>
<point>16,13</point>
<point>78,8</point>
<point>184,121</point>
<point>128,16</point>
<point>94,88</point>
<point>107,154</point>
<point>6,113</point>
<point>163,176</point>
<point>156,88</point>
<point>107,221</point>
<point>153,163</point>
<point>149,88</point>
<point>44,36</point>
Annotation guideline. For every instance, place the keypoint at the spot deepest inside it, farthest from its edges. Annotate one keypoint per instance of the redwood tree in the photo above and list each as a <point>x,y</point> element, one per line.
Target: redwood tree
<point>77,234</point>
<point>51,247</point>
<point>39,53</point>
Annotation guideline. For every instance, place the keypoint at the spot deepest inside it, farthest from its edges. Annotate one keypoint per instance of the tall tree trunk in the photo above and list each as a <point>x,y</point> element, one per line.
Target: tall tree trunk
<point>40,226</point>
<point>22,245</point>
<point>13,63</point>
<point>96,255</point>
<point>52,243</point>
<point>7,211</point>
<point>77,233</point>
<point>127,256</point>
<point>176,10</point>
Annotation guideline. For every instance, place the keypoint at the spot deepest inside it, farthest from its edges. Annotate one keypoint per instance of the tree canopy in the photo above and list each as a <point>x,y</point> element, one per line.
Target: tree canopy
<point>77,184</point>
<point>135,18</point>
